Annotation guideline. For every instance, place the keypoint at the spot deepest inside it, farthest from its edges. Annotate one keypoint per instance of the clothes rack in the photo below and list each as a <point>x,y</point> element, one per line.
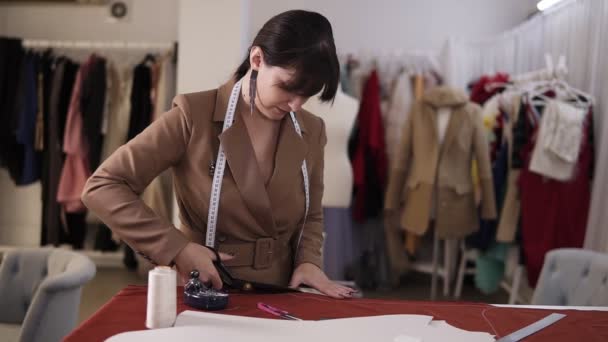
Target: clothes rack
<point>79,51</point>
<point>536,81</point>
<point>396,70</point>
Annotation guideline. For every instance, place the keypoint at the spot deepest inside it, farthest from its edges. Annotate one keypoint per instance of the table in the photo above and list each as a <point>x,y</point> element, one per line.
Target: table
<point>126,311</point>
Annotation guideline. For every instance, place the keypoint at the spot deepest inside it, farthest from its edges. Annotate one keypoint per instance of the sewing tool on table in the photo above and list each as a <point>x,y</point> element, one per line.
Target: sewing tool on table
<point>277,312</point>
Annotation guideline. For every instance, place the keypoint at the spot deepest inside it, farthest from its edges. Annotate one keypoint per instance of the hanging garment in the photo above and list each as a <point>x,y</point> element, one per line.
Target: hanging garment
<point>40,107</point>
<point>494,119</point>
<point>120,109</point>
<point>75,230</point>
<point>155,70</point>
<point>12,56</point>
<point>559,141</point>
<point>485,87</point>
<point>400,105</point>
<point>443,118</point>
<point>486,235</point>
<point>490,265</point>
<point>394,237</point>
<point>369,157</point>
<point>553,213</point>
<point>443,115</point>
<point>490,268</point>
<point>75,171</point>
<point>412,240</point>
<point>54,160</point>
<point>51,81</point>
<point>345,80</point>
<point>92,102</point>
<point>26,129</point>
<point>65,97</point>
<point>141,103</point>
<point>105,121</point>
<point>62,227</point>
<point>165,87</point>
<point>422,165</point>
<point>419,86</point>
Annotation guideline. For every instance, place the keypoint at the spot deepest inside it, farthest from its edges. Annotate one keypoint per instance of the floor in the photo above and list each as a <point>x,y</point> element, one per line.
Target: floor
<point>108,281</point>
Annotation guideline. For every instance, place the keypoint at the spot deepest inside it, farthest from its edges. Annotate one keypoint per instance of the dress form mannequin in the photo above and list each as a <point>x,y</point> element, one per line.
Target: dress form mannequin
<point>339,119</point>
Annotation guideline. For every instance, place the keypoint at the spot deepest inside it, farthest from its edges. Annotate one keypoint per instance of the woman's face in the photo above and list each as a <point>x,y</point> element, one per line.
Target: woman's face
<point>271,100</point>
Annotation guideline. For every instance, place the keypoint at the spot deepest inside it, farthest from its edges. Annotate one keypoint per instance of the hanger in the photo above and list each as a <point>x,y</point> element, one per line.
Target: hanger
<point>552,79</point>
<point>149,58</point>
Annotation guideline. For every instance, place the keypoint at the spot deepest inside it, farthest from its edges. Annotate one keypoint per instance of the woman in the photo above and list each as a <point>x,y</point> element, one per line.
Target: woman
<point>267,224</point>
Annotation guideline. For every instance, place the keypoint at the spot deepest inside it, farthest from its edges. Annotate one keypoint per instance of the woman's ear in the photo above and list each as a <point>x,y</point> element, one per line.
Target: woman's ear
<point>256,57</point>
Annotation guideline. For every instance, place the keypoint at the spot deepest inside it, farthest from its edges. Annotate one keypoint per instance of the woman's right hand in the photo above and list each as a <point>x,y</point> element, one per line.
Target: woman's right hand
<point>200,258</point>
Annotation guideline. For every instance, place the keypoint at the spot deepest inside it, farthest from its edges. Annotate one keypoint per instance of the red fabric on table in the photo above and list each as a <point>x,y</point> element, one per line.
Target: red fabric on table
<point>127,312</point>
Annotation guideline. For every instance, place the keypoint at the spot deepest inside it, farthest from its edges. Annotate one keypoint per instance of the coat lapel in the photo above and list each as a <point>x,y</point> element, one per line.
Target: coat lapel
<point>243,165</point>
<point>446,97</point>
<point>456,119</point>
<point>291,151</point>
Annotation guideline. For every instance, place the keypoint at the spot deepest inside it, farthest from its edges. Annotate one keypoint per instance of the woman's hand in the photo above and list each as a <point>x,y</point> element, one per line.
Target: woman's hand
<point>200,258</point>
<point>311,275</point>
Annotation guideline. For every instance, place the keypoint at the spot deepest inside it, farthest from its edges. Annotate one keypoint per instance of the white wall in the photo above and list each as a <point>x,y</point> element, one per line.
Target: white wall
<point>20,213</point>
<point>210,42</point>
<point>383,25</point>
<point>151,21</point>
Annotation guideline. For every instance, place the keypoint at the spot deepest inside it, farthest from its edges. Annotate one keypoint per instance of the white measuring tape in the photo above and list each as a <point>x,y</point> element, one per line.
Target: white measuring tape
<point>220,167</point>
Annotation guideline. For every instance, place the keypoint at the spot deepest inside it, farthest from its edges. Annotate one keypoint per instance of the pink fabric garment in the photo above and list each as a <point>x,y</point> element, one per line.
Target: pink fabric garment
<point>75,170</point>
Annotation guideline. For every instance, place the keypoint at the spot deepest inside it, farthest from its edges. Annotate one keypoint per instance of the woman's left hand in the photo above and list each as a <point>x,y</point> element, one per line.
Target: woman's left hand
<point>311,275</point>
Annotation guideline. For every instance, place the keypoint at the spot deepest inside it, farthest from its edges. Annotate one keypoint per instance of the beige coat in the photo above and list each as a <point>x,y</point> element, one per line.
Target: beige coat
<point>258,224</point>
<point>423,168</point>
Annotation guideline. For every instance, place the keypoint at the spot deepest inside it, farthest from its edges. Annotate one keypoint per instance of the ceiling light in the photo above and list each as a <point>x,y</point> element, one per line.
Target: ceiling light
<point>546,4</point>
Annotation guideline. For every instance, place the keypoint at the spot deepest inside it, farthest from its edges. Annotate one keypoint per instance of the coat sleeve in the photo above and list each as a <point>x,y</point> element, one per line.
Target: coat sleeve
<point>400,165</point>
<point>113,191</point>
<point>311,242</point>
<point>482,156</point>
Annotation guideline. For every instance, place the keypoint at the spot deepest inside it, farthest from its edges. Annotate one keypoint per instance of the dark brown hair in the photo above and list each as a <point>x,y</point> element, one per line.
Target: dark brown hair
<point>302,41</point>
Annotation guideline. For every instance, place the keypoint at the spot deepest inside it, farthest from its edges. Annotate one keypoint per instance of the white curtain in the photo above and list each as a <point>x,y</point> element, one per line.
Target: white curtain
<point>579,31</point>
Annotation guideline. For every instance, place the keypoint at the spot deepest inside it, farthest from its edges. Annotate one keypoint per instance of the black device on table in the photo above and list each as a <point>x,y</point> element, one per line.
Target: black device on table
<point>200,296</point>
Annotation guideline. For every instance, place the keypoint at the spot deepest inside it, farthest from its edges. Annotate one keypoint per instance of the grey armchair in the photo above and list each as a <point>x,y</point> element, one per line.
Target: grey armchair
<point>40,293</point>
<point>573,277</point>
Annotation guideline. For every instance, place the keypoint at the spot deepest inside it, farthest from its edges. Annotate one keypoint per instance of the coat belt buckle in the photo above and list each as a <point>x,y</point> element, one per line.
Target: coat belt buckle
<point>264,253</point>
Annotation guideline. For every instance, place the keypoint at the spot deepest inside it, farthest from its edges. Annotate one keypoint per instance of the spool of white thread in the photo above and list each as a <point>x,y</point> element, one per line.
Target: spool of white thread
<point>162,307</point>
